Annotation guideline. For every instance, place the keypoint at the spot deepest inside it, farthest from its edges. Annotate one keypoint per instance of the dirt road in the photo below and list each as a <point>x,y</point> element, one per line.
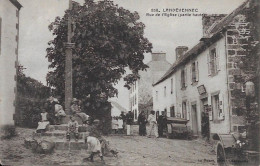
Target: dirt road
<point>133,151</point>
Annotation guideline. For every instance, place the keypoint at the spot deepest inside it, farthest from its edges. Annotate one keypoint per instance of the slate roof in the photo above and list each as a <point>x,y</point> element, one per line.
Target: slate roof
<point>121,108</point>
<point>16,4</point>
<point>205,42</point>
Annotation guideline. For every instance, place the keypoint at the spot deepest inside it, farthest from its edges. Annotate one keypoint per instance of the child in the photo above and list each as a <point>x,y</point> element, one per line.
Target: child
<point>120,125</point>
<point>94,147</point>
<point>72,129</point>
<point>42,125</point>
<point>114,124</point>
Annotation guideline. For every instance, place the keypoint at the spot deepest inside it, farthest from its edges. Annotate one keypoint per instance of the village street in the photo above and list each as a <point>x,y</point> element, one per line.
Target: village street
<point>133,150</point>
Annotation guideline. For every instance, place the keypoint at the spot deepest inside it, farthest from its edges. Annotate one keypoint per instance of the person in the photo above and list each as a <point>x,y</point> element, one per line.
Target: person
<point>72,129</point>
<point>153,124</point>
<point>122,116</point>
<point>42,125</point>
<point>162,123</point>
<point>129,122</point>
<point>120,125</point>
<point>50,108</point>
<point>142,124</point>
<point>94,146</point>
<point>95,130</point>
<point>115,124</point>
<point>76,110</point>
<point>59,113</point>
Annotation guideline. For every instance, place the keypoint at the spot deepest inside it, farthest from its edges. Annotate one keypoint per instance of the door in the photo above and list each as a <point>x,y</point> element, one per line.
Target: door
<point>194,119</point>
<point>205,119</point>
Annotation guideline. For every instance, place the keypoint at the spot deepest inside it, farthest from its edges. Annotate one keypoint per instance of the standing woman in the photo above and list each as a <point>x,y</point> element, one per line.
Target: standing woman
<point>142,124</point>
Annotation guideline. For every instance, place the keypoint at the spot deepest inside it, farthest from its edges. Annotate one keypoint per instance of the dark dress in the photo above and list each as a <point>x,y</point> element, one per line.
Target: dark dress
<point>162,124</point>
<point>142,124</point>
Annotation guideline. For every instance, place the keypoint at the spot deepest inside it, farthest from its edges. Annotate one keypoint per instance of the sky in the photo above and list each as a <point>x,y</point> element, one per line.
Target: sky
<point>165,33</point>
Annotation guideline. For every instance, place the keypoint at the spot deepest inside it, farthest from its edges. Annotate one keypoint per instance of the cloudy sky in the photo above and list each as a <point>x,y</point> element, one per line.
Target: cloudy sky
<point>165,33</point>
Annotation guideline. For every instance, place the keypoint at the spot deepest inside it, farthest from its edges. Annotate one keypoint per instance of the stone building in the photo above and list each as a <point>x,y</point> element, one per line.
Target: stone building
<point>206,84</point>
<point>140,95</point>
<point>9,37</point>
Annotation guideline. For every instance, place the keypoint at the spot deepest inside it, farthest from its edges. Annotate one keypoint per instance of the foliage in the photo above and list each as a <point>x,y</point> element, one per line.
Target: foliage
<point>8,131</point>
<point>31,96</point>
<point>107,40</point>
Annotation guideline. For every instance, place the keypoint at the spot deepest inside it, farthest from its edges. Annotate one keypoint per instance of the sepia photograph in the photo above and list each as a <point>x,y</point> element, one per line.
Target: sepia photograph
<point>129,82</point>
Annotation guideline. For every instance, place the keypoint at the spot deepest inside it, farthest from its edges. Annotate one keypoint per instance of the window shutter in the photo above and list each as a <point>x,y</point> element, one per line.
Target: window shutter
<point>191,74</point>
<point>217,60</point>
<point>187,111</point>
<point>209,70</point>
<point>197,70</point>
<point>185,77</point>
<point>221,107</point>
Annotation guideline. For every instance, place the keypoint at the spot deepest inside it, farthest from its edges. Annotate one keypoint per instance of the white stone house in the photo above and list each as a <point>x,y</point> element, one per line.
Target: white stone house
<point>9,37</point>
<point>206,82</point>
<point>140,95</point>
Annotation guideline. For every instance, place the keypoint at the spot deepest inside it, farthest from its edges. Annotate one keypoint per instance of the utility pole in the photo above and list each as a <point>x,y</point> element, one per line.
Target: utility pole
<point>68,65</point>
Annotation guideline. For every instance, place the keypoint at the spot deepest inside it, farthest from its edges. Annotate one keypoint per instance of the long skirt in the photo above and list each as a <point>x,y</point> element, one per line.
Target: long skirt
<point>142,129</point>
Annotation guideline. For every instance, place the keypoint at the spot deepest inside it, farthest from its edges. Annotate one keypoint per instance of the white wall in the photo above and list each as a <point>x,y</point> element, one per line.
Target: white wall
<point>212,84</point>
<point>133,93</point>
<point>7,61</point>
<point>164,101</point>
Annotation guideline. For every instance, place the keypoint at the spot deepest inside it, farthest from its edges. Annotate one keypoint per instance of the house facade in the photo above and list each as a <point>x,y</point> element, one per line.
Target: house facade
<point>9,37</point>
<point>140,96</point>
<point>210,78</point>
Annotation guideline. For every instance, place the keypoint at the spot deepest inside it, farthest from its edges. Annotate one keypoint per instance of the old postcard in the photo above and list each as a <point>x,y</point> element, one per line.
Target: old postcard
<point>129,82</point>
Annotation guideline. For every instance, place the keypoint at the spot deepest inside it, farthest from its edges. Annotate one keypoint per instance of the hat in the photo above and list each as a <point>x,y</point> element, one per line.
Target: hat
<point>50,98</point>
<point>56,100</point>
<point>74,100</point>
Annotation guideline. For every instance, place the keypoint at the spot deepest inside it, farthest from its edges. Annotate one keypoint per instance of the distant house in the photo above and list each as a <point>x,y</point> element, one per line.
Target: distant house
<point>141,91</point>
<point>206,84</point>
<point>117,109</point>
<point>9,41</point>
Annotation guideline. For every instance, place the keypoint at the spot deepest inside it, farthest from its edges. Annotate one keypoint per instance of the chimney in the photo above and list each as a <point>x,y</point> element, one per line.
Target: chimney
<point>158,56</point>
<point>209,21</point>
<point>180,51</point>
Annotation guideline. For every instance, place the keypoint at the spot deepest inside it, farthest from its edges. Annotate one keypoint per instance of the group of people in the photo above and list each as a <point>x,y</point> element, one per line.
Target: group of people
<point>53,112</point>
<point>156,125</point>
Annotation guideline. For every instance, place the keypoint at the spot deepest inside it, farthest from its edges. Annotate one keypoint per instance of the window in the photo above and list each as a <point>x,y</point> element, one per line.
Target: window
<point>156,95</point>
<point>135,85</point>
<point>135,114</point>
<point>171,85</point>
<point>172,112</point>
<point>184,78</point>
<point>216,107</point>
<point>184,110</point>
<point>165,91</point>
<point>194,72</point>
<point>135,98</point>
<point>213,62</point>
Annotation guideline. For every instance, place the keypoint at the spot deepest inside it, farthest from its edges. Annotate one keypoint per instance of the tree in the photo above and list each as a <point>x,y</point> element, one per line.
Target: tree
<point>107,39</point>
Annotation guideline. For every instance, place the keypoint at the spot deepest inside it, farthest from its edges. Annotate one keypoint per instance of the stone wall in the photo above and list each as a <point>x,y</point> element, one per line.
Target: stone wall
<point>241,66</point>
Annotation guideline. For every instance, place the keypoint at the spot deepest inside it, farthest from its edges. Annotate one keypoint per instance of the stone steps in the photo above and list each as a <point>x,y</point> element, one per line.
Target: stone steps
<point>64,127</point>
<point>59,134</point>
<point>63,144</point>
<point>66,119</point>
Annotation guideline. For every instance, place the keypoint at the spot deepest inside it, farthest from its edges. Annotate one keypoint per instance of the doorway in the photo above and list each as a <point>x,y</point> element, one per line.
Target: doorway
<point>205,118</point>
<point>194,119</point>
